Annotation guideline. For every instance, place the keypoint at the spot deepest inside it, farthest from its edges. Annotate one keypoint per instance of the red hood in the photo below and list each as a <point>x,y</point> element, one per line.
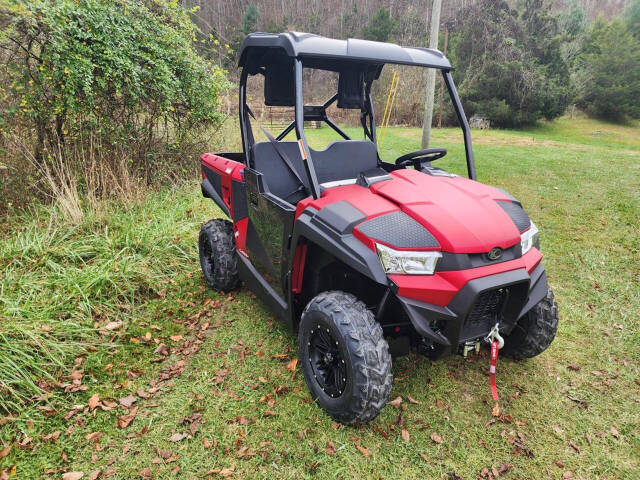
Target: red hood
<point>462,214</point>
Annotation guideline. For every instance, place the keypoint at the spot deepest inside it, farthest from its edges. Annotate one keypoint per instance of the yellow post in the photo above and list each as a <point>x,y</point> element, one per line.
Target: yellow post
<point>388,106</point>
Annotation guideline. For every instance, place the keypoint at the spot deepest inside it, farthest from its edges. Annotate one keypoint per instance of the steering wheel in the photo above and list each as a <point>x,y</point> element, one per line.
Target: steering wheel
<point>419,157</point>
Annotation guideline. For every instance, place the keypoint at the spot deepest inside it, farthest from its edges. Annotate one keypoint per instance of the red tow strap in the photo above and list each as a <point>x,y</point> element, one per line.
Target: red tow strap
<point>492,370</point>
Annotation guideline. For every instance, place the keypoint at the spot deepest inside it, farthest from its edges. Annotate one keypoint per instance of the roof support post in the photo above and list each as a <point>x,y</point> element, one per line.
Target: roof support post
<point>242,112</point>
<point>464,124</point>
<point>302,139</point>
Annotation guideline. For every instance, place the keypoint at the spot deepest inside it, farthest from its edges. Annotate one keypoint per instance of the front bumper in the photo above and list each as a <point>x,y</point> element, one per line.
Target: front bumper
<point>462,319</point>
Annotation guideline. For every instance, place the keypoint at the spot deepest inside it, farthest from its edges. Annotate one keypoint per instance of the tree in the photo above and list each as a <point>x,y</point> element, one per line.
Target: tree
<point>632,15</point>
<point>509,67</point>
<point>608,71</point>
<point>380,27</point>
<point>250,19</point>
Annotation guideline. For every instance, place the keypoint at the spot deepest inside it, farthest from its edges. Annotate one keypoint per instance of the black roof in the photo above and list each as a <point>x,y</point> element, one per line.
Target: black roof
<point>322,51</point>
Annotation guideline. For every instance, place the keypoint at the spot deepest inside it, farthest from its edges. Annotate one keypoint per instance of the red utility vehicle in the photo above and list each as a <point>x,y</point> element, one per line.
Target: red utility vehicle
<point>364,258</point>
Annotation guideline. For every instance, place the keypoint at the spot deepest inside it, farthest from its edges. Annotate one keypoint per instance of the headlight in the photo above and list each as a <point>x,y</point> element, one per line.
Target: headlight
<point>408,262</point>
<point>529,238</point>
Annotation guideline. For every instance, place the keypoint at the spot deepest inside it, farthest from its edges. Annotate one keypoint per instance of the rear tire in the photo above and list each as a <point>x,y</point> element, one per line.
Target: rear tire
<point>337,333</point>
<point>217,249</point>
<point>534,332</point>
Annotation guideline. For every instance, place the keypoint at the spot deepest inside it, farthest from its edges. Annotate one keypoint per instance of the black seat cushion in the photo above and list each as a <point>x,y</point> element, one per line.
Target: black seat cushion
<point>341,160</point>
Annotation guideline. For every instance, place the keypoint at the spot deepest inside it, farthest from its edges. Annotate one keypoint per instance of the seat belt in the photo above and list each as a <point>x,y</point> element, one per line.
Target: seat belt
<point>282,155</point>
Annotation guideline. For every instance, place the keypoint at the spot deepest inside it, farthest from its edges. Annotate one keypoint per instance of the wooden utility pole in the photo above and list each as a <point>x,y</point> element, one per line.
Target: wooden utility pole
<point>431,74</point>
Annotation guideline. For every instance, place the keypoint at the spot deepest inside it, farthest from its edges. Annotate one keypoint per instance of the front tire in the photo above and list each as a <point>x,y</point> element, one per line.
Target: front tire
<point>535,331</point>
<point>344,357</point>
<point>217,249</point>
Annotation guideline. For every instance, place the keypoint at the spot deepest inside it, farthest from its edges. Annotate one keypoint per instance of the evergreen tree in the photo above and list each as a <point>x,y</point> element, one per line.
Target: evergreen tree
<point>608,71</point>
<point>381,26</point>
<point>509,66</point>
<point>250,19</point>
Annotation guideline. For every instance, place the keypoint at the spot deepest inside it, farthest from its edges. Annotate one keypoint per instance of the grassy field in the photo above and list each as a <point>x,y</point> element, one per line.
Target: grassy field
<point>116,361</point>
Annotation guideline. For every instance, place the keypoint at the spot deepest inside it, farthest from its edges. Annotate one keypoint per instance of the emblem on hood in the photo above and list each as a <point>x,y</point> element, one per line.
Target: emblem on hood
<point>495,253</point>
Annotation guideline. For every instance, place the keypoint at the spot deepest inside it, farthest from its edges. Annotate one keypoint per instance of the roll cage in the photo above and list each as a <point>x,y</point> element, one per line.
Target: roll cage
<point>281,59</point>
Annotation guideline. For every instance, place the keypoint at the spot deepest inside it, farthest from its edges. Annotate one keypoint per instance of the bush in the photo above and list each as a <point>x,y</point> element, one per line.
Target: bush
<point>608,72</point>
<point>122,74</point>
<point>509,67</point>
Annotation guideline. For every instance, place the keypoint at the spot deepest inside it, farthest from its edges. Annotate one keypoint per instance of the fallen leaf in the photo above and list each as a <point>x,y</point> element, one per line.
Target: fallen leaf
<point>93,436</point>
<point>291,366</point>
<point>72,475</point>
<point>412,400</point>
<point>227,472</point>
<point>125,420</point>
<point>573,366</point>
<point>574,446</point>
<point>504,468</point>
<point>496,410</point>
<point>5,451</point>
<point>396,402</point>
<point>162,349</point>
<point>405,435</point>
<point>331,449</point>
<point>112,326</point>
<point>46,328</point>
<point>107,405</point>
<point>567,475</point>
<point>127,401</point>
<point>176,437</point>
<point>614,432</point>
<point>145,472</point>
<point>363,450</point>
<point>176,338</point>
<point>436,438</point>
<point>94,401</point>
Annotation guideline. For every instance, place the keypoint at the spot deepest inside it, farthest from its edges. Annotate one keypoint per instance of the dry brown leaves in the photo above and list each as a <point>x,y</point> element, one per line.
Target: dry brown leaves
<point>363,450</point>
<point>224,472</point>
<point>72,475</point>
<point>125,420</point>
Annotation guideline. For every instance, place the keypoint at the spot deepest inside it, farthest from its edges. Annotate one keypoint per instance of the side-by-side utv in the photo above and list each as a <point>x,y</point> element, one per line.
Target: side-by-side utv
<point>364,258</point>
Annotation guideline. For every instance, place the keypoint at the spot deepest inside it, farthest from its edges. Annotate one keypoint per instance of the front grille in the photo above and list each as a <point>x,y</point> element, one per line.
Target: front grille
<point>484,314</point>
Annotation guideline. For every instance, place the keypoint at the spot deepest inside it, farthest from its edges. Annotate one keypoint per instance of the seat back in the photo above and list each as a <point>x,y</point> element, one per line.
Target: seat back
<point>341,160</point>
<point>344,159</point>
<point>280,181</point>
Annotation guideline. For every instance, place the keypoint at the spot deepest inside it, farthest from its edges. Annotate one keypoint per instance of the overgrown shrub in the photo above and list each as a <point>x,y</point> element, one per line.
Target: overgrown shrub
<point>123,72</point>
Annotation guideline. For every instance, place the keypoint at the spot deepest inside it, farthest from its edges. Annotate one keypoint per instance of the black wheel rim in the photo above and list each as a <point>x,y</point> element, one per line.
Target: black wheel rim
<point>327,363</point>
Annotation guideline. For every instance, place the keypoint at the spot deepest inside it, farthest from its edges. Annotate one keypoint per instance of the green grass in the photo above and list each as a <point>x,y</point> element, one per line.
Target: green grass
<point>137,264</point>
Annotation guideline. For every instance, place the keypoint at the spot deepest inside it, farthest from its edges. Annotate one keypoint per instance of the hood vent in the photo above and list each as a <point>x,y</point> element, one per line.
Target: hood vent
<point>517,214</point>
<point>399,230</point>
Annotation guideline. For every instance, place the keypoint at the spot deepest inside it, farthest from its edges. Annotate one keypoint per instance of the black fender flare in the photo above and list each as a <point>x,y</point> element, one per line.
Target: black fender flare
<point>209,192</point>
<point>331,229</point>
